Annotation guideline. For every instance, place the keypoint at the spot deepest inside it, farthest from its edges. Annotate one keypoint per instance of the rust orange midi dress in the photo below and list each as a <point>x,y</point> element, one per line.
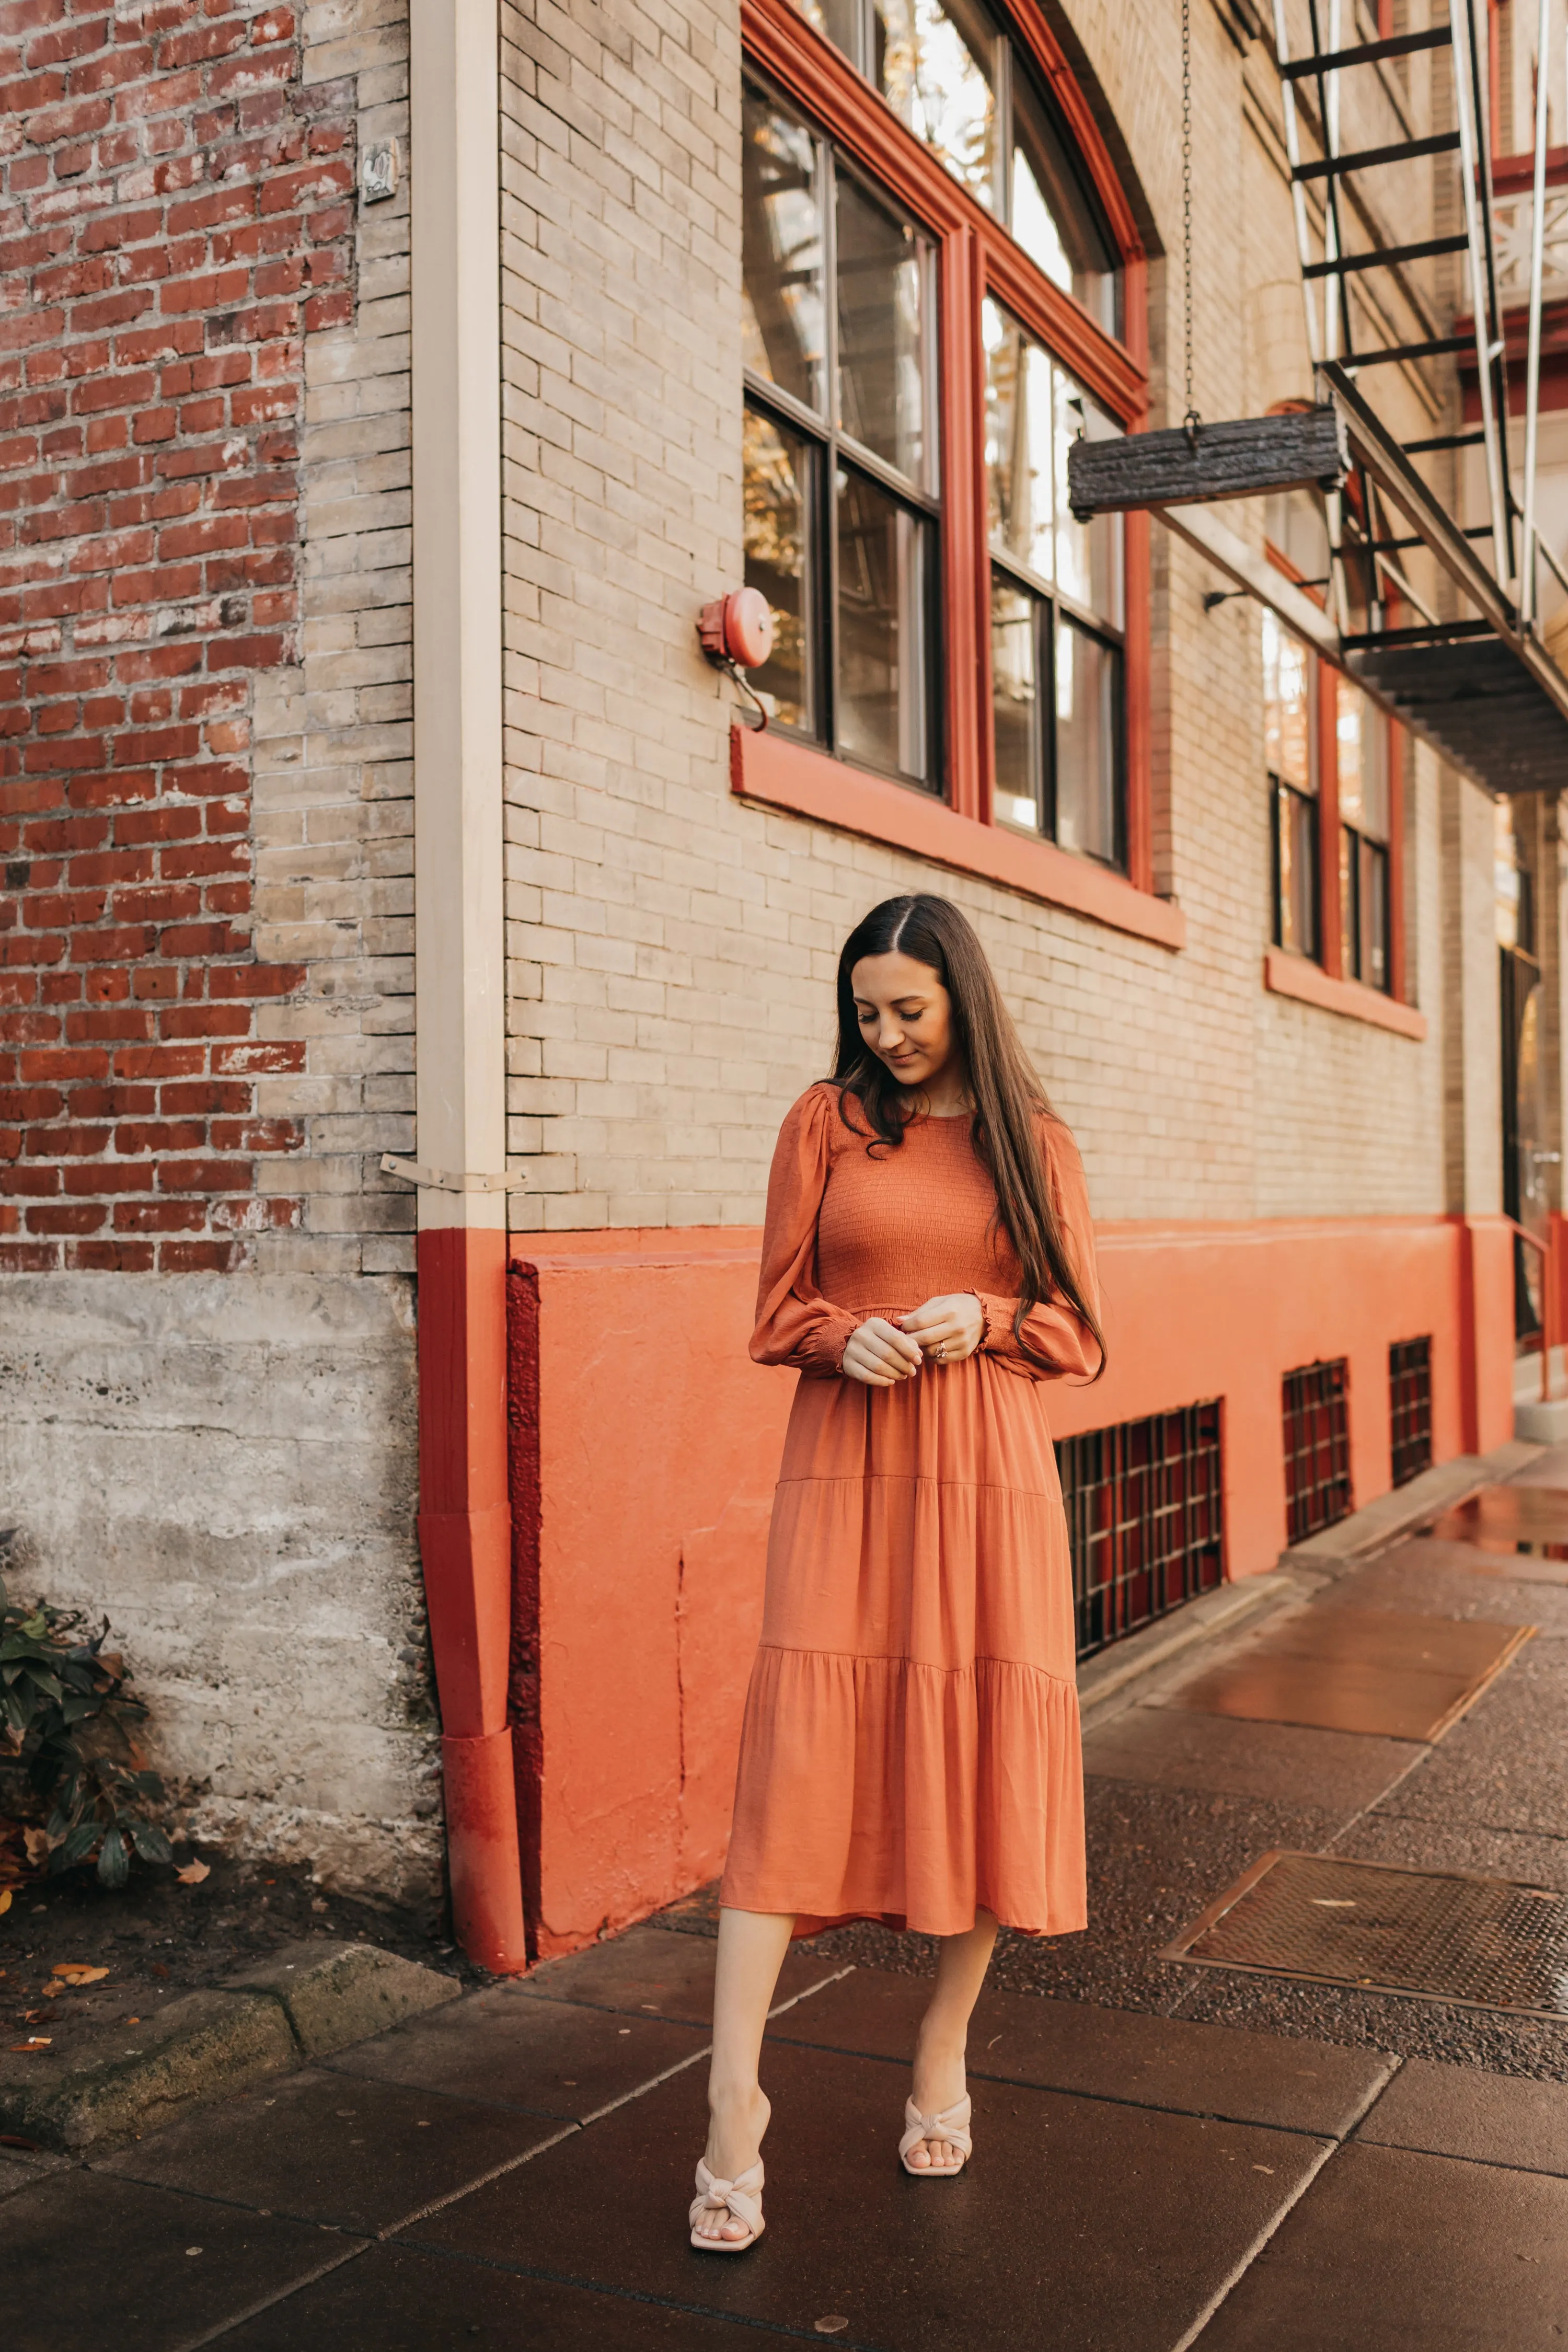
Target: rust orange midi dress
<point>911,1744</point>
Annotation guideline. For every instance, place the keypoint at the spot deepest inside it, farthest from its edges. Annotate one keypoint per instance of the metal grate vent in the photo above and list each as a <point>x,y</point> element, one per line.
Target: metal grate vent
<point>1317,1448</point>
<point>1450,1936</point>
<point>1145,1515</point>
<point>1410,1407</point>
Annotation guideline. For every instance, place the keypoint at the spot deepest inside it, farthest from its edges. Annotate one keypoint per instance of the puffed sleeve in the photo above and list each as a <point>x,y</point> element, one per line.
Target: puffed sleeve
<point>1052,1330</point>
<point>795,1324</point>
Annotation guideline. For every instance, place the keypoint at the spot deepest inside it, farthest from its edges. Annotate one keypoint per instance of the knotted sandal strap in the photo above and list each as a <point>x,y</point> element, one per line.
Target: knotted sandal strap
<point>741,2197</point>
<point>951,2125</point>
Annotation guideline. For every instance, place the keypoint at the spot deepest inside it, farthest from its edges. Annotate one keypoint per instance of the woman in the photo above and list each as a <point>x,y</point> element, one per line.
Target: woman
<point>910,1746</point>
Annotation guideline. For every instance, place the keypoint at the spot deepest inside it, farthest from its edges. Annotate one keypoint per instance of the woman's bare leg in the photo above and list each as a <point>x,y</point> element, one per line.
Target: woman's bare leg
<point>751,1946</point>
<point>944,2031</point>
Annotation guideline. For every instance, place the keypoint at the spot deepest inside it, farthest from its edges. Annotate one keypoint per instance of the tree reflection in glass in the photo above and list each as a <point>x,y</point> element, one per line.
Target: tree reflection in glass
<point>777,474</point>
<point>783,309</point>
<point>881,337</point>
<point>937,70</point>
<point>882,559</point>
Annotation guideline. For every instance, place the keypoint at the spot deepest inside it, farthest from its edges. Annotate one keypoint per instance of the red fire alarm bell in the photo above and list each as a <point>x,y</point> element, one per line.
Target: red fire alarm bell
<point>737,628</point>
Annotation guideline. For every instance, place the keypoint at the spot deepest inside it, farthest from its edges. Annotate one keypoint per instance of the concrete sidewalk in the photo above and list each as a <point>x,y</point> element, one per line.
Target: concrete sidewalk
<point>1166,2155</point>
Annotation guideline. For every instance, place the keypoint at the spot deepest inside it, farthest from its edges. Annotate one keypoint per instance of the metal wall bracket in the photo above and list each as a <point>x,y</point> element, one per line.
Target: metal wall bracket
<point>440,1180</point>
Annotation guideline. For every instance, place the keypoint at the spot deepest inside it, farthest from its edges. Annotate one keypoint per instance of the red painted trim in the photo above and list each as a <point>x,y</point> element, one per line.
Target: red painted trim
<point>965,667</point>
<point>1514,176</point>
<point>765,767</point>
<point>1308,984</point>
<point>465,1545</point>
<point>522,1404</point>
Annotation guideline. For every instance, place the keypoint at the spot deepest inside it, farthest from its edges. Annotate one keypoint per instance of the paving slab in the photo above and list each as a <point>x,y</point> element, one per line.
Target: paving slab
<point>1122,2221</point>
<point>651,1971</point>
<point>361,2156</point>
<point>95,2264</point>
<point>1392,2251</point>
<point>1503,1766</point>
<point>1503,1587</point>
<point>1176,1748</point>
<point>1389,1835</point>
<point>1107,2053</point>
<point>1403,1676</point>
<point>115,2079</point>
<point>550,2057</point>
<point>394,2300</point>
<point>1487,2118</point>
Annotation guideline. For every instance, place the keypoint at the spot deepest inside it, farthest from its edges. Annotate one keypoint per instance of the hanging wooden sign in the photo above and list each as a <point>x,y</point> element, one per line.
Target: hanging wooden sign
<point>1304,448</point>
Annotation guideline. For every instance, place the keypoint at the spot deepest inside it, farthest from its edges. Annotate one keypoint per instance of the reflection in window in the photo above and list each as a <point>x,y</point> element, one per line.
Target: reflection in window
<point>778,503</point>
<point>1052,214</point>
<point>881,341</point>
<point>969,93</point>
<point>840,518</point>
<point>1361,745</point>
<point>937,67</point>
<point>783,309</point>
<point>1056,606</point>
<point>1014,662</point>
<point>882,600</point>
<point>1290,749</point>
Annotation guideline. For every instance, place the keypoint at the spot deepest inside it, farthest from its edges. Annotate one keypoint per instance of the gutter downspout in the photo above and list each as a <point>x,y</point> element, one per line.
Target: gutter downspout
<point>460,993</point>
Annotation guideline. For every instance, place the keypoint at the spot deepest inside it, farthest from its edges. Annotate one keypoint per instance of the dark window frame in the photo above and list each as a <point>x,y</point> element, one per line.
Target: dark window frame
<point>834,448</point>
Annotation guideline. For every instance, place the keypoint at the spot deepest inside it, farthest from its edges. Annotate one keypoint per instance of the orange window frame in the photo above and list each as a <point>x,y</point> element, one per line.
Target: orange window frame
<point>976,257</point>
<point>1330,954</point>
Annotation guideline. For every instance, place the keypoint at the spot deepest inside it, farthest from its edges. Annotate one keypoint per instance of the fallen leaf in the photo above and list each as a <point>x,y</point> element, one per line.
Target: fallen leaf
<point>34,2041</point>
<point>14,2139</point>
<point>34,2016</point>
<point>37,1845</point>
<point>77,1972</point>
<point>193,1873</point>
<point>4,1898</point>
<point>159,1969</point>
<point>133,2020</point>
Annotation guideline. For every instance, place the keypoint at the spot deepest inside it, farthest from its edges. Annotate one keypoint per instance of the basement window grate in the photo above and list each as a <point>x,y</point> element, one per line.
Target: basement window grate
<point>1410,1407</point>
<point>1437,1935</point>
<point>1144,1505</point>
<point>1317,1448</point>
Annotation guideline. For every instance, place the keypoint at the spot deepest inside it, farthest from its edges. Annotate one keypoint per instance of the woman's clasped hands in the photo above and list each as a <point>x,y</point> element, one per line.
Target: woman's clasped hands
<point>944,1331</point>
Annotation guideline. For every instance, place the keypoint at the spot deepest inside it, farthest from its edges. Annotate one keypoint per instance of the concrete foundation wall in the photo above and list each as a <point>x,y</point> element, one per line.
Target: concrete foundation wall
<point>228,1467</point>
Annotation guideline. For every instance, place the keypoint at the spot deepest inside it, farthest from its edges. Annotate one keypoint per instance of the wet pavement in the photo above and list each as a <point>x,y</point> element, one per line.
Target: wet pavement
<point>1166,2155</point>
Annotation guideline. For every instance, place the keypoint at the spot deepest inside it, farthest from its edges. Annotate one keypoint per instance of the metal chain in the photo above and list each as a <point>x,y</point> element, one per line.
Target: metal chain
<point>1192,419</point>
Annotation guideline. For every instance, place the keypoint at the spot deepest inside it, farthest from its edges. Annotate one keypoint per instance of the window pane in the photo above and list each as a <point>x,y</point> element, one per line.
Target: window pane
<point>1349,915</point>
<point>1287,712</point>
<point>881,339</point>
<point>1361,743</point>
<point>784,313</point>
<point>1052,214</point>
<point>839,21</point>
<point>777,503</point>
<point>1015,655</point>
<point>883,553</point>
<point>1296,865</point>
<point>936,69</point>
<point>1374,968</point>
<point>1294,522</point>
<point>1087,748</point>
<point>1019,471</point>
<point>1088,555</point>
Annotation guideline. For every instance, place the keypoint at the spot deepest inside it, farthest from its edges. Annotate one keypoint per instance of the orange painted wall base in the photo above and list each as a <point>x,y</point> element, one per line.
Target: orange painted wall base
<point>653,1448</point>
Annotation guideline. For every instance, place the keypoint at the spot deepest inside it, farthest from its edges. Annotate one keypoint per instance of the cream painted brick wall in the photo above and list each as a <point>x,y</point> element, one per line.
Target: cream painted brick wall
<point>333,807</point>
<point>671,951</point>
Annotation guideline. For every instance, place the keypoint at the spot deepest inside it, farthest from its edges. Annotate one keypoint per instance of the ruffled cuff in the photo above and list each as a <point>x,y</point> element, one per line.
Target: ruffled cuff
<point>996,1336</point>
<point>820,1354</point>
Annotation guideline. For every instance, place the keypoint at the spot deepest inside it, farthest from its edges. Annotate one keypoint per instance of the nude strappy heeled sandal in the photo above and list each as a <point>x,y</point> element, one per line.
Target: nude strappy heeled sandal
<point>952,2125</point>
<point>742,2197</point>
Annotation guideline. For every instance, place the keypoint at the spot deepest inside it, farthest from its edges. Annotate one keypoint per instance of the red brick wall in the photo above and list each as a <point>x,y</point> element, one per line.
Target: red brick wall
<point>176,215</point>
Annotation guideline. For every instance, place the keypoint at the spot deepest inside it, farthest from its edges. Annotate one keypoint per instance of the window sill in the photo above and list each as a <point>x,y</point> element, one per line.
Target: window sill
<point>784,775</point>
<point>1308,984</point>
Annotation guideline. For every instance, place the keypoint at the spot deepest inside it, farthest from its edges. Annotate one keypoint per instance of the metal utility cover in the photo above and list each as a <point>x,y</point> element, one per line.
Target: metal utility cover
<point>1437,1935</point>
<point>1532,1519</point>
<point>1371,1671</point>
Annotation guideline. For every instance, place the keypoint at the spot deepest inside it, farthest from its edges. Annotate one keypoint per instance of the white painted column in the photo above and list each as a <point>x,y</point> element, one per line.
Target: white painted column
<point>459,945</point>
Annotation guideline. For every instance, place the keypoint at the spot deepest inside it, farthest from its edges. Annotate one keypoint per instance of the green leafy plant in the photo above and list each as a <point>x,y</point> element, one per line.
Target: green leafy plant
<point>66,1718</point>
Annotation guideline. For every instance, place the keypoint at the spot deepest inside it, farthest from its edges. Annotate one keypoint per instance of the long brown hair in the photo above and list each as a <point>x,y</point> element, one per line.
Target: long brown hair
<point>1009,1099</point>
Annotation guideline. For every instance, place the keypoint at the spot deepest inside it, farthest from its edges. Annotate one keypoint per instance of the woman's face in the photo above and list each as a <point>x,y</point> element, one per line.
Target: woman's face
<point>905,1015</point>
